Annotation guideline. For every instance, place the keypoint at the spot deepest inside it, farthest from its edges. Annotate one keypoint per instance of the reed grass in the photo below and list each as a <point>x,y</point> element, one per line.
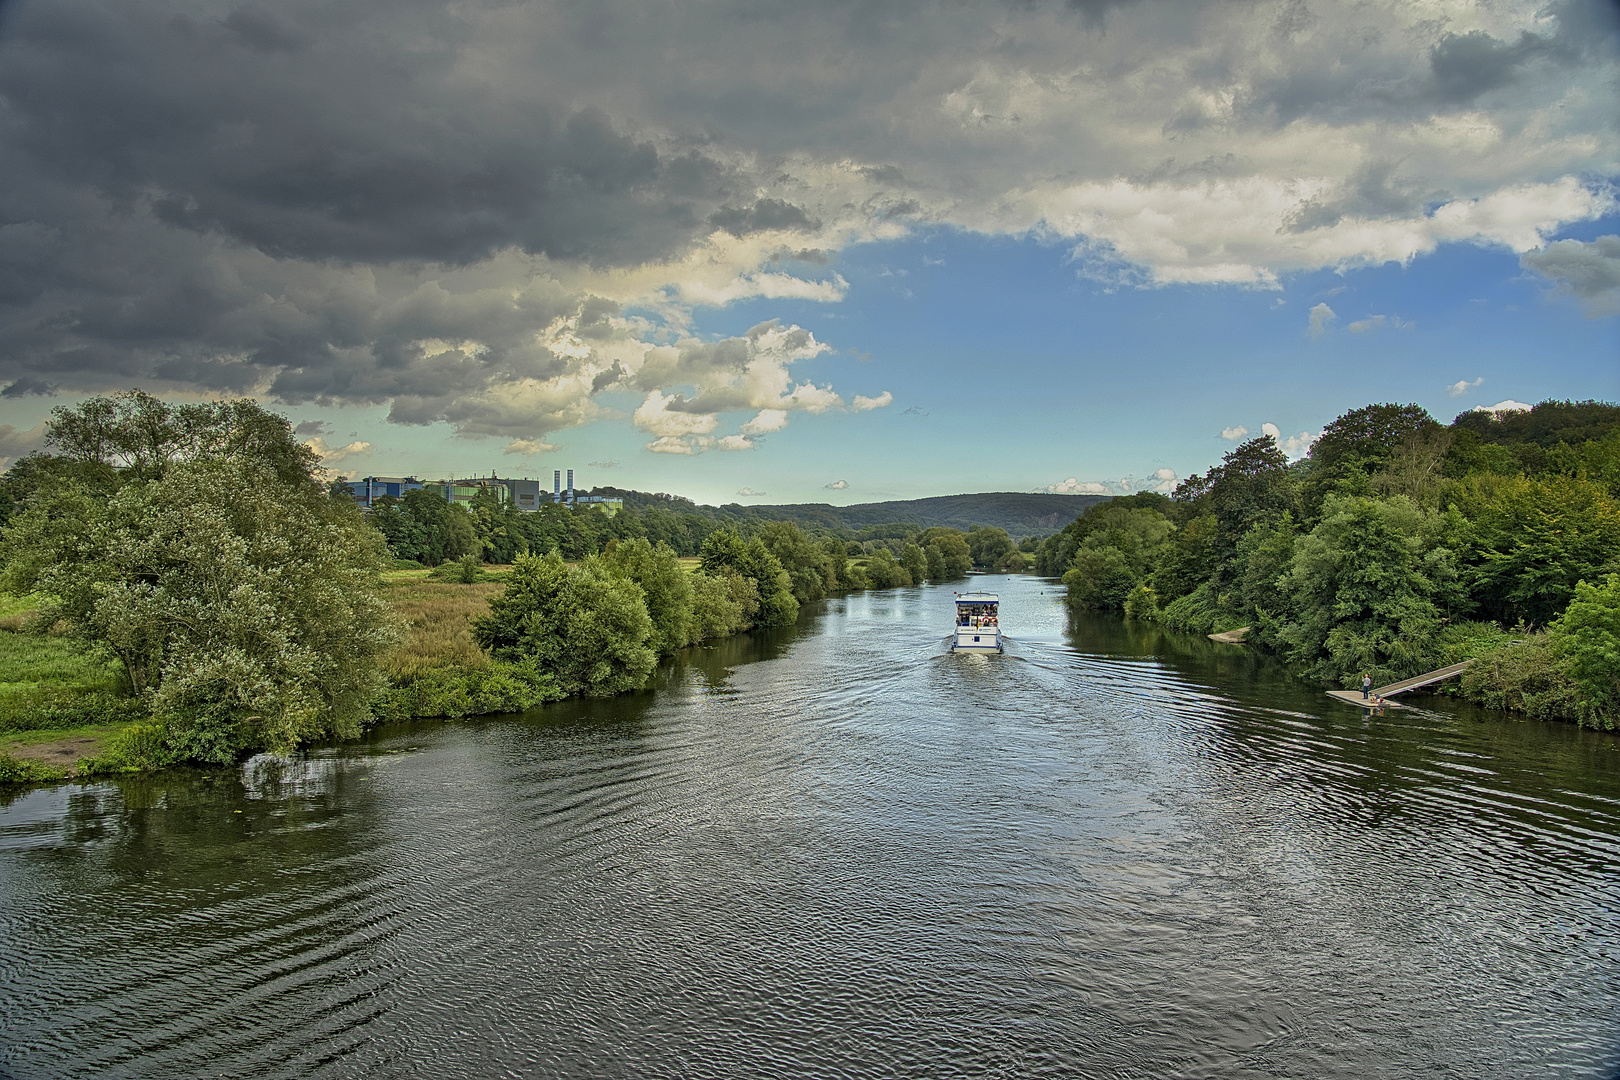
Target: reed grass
<point>438,624</point>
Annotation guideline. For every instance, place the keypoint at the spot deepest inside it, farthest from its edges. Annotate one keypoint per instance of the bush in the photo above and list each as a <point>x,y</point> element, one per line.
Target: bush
<point>137,748</point>
<point>721,606</point>
<point>1588,639</point>
<point>15,770</point>
<point>1527,676</point>
<point>1200,612</point>
<point>883,572</point>
<point>408,564</point>
<point>45,710</point>
<point>498,688</point>
<point>585,625</point>
<point>1143,604</point>
<point>665,587</point>
<point>1099,579</point>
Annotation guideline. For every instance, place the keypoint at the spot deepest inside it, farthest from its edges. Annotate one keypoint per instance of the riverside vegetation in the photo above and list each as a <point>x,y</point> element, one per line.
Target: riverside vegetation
<point>1397,546</point>
<point>180,587</point>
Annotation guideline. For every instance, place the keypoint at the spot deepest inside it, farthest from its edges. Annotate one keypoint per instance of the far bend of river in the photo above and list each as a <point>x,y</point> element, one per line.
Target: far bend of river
<point>837,851</point>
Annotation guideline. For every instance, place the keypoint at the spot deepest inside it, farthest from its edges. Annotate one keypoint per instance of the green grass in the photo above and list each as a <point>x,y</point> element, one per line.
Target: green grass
<point>11,739</point>
<point>31,662</point>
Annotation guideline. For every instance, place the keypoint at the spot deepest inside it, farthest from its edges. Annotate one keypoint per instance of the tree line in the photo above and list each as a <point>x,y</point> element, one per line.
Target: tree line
<point>1397,545</point>
<point>197,544</point>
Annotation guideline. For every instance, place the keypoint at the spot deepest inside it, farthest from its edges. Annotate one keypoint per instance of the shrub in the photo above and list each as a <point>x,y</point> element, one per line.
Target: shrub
<point>137,748</point>
<point>14,770</point>
<point>45,710</point>
<point>497,688</point>
<point>585,625</point>
<point>1143,604</point>
<point>1527,676</point>
<point>1588,639</point>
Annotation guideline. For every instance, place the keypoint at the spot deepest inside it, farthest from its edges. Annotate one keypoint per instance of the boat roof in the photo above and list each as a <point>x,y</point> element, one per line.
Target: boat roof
<point>978,598</point>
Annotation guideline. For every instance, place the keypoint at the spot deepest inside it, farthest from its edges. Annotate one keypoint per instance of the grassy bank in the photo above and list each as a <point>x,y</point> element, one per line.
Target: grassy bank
<point>64,711</point>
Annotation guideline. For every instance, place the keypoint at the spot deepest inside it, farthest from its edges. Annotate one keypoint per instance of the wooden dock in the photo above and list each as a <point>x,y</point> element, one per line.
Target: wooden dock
<point>1353,697</point>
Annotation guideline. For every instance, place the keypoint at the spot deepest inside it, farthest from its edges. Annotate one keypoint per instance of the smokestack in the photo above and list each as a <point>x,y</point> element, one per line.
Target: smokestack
<point>556,485</point>
<point>570,486</point>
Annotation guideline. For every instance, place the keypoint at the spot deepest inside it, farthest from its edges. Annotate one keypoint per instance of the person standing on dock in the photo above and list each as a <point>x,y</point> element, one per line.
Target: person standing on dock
<point>1366,685</point>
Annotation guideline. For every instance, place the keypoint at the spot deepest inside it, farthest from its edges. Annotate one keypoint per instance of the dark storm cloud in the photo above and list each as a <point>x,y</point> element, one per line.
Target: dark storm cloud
<point>1460,69</point>
<point>316,133</point>
<point>1587,271</point>
<point>375,201</point>
<point>1372,192</point>
<point>764,216</point>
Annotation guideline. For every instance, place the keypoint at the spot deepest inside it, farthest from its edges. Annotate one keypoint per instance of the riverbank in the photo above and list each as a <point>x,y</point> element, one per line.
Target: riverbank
<point>56,693</point>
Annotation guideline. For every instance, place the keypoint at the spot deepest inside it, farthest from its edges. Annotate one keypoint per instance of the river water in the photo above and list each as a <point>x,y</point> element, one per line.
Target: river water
<point>838,851</point>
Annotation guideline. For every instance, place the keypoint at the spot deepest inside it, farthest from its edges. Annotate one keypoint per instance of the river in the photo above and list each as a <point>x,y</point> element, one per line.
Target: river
<point>837,851</point>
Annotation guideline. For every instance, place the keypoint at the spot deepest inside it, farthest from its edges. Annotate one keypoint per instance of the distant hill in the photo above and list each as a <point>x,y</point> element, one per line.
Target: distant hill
<point>1021,513</point>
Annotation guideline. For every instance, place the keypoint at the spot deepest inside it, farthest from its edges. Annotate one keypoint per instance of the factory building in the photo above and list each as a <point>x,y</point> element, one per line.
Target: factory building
<point>523,493</point>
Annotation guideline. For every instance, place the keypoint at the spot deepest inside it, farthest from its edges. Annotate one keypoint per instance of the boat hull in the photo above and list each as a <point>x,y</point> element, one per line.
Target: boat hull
<point>979,640</point>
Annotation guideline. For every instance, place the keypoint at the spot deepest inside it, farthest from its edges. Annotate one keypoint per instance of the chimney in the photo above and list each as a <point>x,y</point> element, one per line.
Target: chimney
<point>556,485</point>
<point>570,487</point>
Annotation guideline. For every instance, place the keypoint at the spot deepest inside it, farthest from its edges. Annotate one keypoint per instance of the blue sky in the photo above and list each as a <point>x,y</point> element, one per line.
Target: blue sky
<point>768,251</point>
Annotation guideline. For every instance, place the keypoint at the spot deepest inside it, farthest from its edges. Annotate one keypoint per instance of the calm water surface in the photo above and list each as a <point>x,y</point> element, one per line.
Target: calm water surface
<point>837,851</point>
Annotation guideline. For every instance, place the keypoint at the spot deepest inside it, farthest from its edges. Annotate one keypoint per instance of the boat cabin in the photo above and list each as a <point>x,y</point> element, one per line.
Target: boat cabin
<point>978,623</point>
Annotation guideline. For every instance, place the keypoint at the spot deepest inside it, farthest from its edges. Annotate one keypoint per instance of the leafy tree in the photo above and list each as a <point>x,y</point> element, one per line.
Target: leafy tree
<point>955,559</point>
<point>807,563</point>
<point>422,526</point>
<point>1416,466</point>
<point>915,562</point>
<point>585,625</point>
<point>136,437</point>
<point>883,572</point>
<point>666,587</point>
<point>1099,579</point>
<point>1359,444</point>
<point>1588,640</point>
<point>237,595</point>
<point>987,546</point>
<point>1252,485</point>
<point>1538,538</point>
<point>725,553</point>
<point>1359,597</point>
<point>722,606</point>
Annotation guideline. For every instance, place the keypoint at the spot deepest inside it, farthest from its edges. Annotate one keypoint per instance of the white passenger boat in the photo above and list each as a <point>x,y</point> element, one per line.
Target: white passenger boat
<point>978,623</point>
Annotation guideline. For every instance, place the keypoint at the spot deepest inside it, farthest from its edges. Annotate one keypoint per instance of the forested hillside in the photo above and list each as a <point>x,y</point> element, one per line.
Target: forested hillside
<point>1398,545</point>
<point>1019,513</point>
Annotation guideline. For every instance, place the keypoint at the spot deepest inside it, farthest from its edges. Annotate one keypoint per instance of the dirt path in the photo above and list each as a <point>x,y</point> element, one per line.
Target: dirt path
<point>60,752</point>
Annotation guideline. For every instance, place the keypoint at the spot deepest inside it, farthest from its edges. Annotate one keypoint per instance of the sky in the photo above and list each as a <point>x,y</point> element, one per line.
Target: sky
<point>770,251</point>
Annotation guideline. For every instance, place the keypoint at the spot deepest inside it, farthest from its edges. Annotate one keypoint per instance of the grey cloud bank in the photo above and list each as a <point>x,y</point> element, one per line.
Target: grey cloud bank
<point>450,209</point>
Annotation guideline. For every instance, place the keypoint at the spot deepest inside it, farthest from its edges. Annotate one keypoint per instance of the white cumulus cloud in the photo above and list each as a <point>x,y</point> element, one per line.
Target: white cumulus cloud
<point>837,485</point>
<point>1379,322</point>
<point>751,493</point>
<point>1322,319</point>
<point>331,455</point>
<point>863,404</point>
<point>766,420</point>
<point>1295,446</point>
<point>1233,434</point>
<point>1503,407</point>
<point>529,447</point>
<point>1075,486</point>
<point>1462,386</point>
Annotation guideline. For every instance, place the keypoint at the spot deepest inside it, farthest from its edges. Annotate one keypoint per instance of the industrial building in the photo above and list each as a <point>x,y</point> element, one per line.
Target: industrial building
<point>521,492</point>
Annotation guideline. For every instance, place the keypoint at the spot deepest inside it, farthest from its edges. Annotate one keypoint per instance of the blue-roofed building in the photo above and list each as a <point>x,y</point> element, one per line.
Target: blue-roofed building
<point>368,489</point>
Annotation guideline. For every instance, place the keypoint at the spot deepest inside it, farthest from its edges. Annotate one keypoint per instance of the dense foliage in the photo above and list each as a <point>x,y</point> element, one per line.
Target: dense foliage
<point>1397,545</point>
<point>194,543</point>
